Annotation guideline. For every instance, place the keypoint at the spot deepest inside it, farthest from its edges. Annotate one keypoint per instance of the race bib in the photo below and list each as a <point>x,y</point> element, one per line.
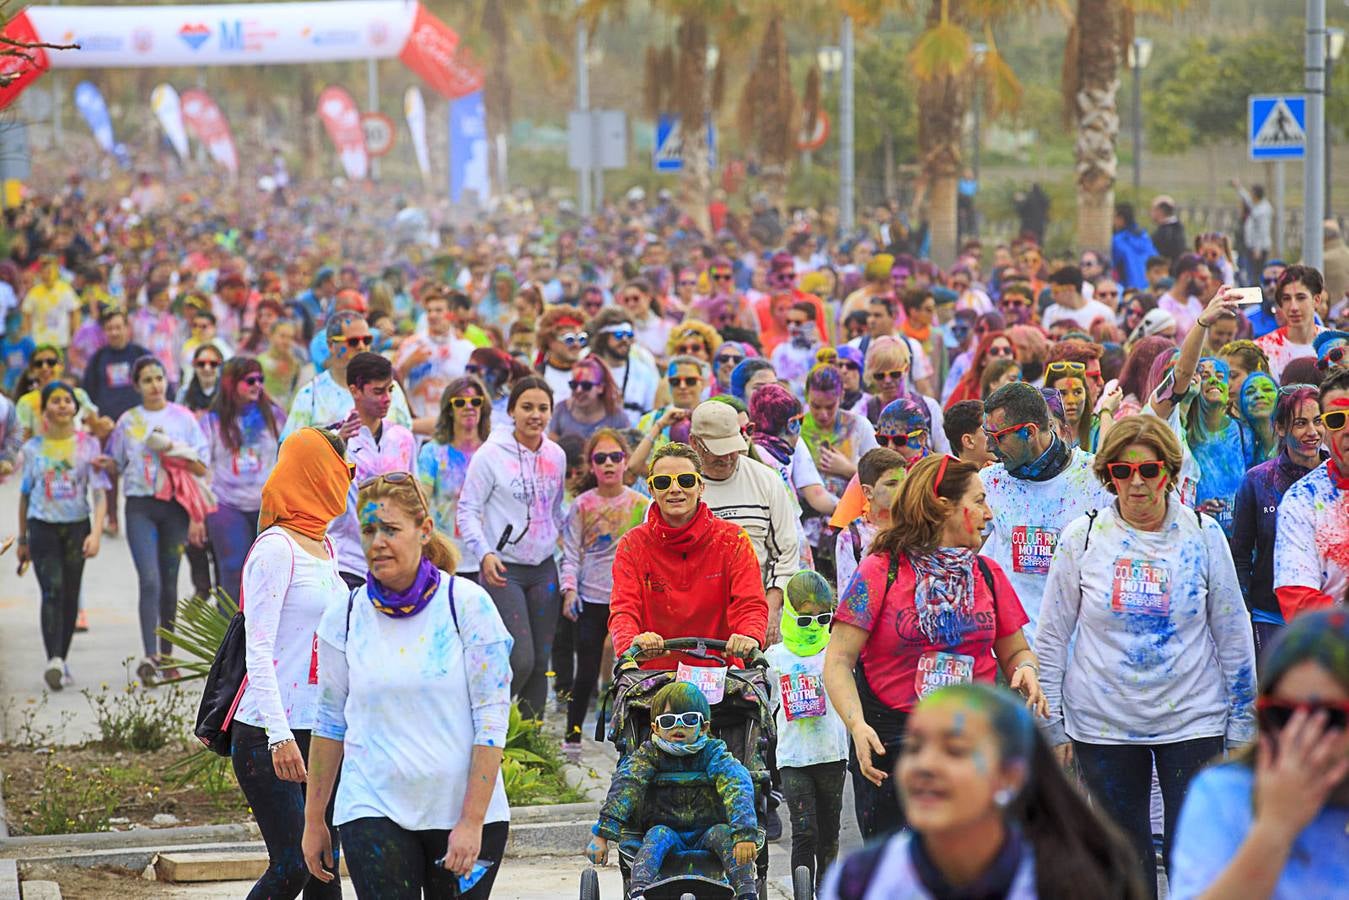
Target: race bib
<point>802,696</point>
<point>314,660</point>
<point>938,669</point>
<point>247,461</point>
<point>1033,548</point>
<point>1142,587</point>
<point>61,485</point>
<point>711,680</point>
<point>117,374</point>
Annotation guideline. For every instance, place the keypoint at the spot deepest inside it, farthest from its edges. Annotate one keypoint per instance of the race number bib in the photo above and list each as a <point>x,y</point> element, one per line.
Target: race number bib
<point>802,696</point>
<point>938,669</point>
<point>1141,587</point>
<point>117,374</point>
<point>711,680</point>
<point>61,485</point>
<point>1033,548</point>
<point>247,461</point>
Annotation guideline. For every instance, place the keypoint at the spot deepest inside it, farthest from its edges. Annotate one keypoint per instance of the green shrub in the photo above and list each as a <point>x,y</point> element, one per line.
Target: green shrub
<point>71,802</point>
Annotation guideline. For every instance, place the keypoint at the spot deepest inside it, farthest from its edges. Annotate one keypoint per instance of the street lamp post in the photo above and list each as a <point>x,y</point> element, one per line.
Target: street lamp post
<point>1139,53</point>
<point>1334,47</point>
<point>980,54</point>
<point>847,217</point>
<point>830,60</point>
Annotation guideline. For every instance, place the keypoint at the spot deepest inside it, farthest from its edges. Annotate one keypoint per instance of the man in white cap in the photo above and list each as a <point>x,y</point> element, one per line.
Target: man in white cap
<point>749,493</point>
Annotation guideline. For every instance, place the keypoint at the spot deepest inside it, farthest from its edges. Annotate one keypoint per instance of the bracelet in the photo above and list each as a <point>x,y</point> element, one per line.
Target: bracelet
<point>1027,664</point>
<point>272,747</point>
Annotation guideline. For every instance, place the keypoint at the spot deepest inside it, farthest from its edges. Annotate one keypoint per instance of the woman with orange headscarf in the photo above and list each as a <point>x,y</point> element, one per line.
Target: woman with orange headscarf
<point>289,578</point>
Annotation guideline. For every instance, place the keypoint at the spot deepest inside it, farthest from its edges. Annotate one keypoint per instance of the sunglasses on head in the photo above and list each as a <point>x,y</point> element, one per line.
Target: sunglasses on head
<point>46,363</point>
<point>1066,367</point>
<point>461,402</point>
<point>397,478</point>
<point>1275,714</point>
<point>685,719</point>
<point>807,621</point>
<point>579,385</point>
<point>685,381</point>
<point>662,483</point>
<point>613,456</point>
<point>1334,420</point>
<point>574,339</point>
<point>1124,471</point>
<point>206,364</point>
<point>1332,357</point>
<point>363,341</point>
<point>251,380</point>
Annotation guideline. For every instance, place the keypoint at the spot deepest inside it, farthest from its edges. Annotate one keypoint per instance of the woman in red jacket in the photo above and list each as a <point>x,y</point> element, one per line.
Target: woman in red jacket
<point>684,572</point>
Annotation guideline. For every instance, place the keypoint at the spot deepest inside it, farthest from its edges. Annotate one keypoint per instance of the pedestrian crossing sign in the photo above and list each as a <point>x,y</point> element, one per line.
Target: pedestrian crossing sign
<point>1277,126</point>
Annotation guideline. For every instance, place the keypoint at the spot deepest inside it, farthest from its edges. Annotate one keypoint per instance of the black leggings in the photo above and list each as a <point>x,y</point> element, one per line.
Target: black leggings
<point>528,606</point>
<point>278,807</point>
<point>815,801</point>
<point>388,862</point>
<point>591,628</point>
<point>57,551</point>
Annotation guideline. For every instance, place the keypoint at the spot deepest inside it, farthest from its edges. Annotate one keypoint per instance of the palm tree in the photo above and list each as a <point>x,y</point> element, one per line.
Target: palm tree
<point>1090,90</point>
<point>943,64</point>
<point>767,116</point>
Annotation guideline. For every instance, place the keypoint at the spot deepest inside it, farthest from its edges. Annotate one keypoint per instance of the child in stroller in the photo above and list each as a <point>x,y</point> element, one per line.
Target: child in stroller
<point>681,791</point>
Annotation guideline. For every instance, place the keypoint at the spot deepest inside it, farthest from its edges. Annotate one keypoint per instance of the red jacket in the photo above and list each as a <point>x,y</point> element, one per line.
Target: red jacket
<point>702,580</point>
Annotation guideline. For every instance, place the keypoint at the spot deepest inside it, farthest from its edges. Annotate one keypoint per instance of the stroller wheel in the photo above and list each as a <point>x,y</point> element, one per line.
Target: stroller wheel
<point>590,885</point>
<point>802,889</point>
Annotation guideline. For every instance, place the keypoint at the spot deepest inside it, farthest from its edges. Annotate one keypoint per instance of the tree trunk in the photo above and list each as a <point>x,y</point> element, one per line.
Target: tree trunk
<point>1097,115</point>
<point>942,219</point>
<point>942,102</point>
<point>693,107</point>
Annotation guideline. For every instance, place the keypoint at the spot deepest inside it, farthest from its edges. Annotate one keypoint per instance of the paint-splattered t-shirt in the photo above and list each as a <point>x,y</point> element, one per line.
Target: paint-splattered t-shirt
<point>441,468</point>
<point>1215,821</point>
<point>901,663</point>
<point>810,730</point>
<point>1311,543</point>
<point>1027,519</point>
<point>137,463</point>
<point>1161,642</point>
<point>1281,351</point>
<point>237,475</point>
<point>590,536</point>
<point>409,698</point>
<point>58,475</point>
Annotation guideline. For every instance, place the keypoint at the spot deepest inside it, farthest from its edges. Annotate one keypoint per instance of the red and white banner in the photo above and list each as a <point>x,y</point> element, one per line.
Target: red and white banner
<point>206,121</point>
<point>342,119</point>
<point>30,67</point>
<point>243,34</point>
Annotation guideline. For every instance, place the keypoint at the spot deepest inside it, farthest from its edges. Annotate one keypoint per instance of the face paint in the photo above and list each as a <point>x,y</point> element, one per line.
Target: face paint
<point>809,588</point>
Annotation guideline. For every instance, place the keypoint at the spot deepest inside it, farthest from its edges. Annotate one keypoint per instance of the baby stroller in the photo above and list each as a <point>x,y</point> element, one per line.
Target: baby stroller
<point>743,719</point>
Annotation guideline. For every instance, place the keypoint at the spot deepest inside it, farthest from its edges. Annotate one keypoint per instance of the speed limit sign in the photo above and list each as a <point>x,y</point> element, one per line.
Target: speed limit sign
<point>379,133</point>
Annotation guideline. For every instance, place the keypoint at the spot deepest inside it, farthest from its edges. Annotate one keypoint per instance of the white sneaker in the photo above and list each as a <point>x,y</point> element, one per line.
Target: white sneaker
<point>147,672</point>
<point>52,675</point>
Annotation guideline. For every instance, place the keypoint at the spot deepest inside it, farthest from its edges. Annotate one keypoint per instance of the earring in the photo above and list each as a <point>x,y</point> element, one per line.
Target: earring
<point>1002,797</point>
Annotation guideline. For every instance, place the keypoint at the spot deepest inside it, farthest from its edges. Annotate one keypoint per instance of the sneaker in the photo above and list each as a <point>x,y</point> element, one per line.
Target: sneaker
<point>147,672</point>
<point>772,825</point>
<point>82,622</point>
<point>66,678</point>
<point>52,674</point>
<point>571,746</point>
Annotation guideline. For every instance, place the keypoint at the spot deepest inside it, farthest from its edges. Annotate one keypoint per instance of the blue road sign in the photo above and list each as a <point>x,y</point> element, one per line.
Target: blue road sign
<point>1277,126</point>
<point>668,155</point>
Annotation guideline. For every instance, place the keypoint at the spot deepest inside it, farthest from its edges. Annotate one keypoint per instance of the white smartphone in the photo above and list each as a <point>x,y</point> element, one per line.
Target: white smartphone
<point>1249,296</point>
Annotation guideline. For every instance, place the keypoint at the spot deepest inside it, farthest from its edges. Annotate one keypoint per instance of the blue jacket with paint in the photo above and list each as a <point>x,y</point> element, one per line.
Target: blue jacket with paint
<point>1254,517</point>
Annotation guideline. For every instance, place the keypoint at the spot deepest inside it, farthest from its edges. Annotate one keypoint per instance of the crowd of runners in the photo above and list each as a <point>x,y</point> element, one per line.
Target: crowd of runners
<point>1046,554</point>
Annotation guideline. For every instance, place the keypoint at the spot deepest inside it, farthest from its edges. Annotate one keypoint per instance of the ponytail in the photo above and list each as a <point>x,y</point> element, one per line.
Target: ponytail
<point>442,553</point>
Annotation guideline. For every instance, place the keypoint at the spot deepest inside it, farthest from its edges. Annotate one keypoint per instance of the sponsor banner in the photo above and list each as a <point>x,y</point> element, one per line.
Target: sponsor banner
<point>468,148</point>
<point>205,120</point>
<point>430,52</point>
<point>342,120</point>
<point>89,101</point>
<point>168,109</point>
<point>414,110</point>
<point>20,29</point>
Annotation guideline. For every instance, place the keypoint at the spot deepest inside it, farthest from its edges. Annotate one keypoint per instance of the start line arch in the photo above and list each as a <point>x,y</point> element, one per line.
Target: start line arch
<point>240,34</point>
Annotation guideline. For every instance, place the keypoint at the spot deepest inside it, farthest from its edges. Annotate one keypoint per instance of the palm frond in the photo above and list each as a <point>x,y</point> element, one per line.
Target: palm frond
<point>942,50</point>
<point>1002,89</point>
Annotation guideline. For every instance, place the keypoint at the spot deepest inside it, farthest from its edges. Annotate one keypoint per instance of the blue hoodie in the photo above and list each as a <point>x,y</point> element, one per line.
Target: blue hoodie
<point>1129,252</point>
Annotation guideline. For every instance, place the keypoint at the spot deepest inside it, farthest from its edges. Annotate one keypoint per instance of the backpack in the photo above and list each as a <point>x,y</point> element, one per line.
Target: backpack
<point>1091,523</point>
<point>228,677</point>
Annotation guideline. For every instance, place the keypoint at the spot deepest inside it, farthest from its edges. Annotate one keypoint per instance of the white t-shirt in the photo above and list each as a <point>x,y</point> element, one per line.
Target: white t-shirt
<point>1281,351</point>
<point>1093,310</point>
<point>1027,519</point>
<point>810,730</point>
<point>284,591</point>
<point>409,698</point>
<point>1311,536</point>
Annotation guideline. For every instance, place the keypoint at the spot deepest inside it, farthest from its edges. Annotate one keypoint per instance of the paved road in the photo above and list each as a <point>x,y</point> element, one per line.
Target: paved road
<point>96,658</point>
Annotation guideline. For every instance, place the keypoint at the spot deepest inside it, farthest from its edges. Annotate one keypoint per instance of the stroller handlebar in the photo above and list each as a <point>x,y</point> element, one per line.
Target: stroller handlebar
<point>703,648</point>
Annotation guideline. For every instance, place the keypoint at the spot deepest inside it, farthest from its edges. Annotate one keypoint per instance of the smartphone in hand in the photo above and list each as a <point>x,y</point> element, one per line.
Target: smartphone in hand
<point>1248,297</point>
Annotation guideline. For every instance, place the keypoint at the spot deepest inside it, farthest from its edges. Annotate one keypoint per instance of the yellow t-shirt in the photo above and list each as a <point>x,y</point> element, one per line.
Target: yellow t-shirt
<point>49,308</point>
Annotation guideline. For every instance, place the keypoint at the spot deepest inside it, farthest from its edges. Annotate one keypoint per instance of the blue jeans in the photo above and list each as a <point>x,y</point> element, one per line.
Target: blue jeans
<point>1119,777</point>
<point>156,531</point>
<point>232,532</point>
<point>661,839</point>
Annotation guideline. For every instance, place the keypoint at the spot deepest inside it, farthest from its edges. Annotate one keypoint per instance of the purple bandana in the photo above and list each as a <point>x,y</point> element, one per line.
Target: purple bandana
<point>401,604</point>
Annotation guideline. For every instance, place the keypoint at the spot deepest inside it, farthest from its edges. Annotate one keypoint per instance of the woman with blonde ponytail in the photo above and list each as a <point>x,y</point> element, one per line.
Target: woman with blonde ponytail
<point>414,703</point>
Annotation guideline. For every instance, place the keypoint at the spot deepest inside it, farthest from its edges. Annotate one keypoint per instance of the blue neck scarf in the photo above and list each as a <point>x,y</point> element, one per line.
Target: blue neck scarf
<point>1050,463</point>
<point>674,749</point>
<point>401,604</point>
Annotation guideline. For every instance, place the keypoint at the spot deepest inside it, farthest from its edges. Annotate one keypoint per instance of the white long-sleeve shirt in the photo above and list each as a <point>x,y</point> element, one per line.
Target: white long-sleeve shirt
<point>508,484</point>
<point>1162,649</point>
<point>285,591</point>
<point>409,698</point>
<point>756,498</point>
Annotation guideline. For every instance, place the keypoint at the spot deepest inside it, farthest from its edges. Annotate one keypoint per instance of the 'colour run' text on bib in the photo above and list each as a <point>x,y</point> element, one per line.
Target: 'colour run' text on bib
<point>1032,549</point>
<point>1141,587</point>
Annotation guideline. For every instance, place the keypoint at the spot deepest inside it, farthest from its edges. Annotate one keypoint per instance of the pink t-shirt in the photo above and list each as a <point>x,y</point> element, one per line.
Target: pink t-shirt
<point>899,660</point>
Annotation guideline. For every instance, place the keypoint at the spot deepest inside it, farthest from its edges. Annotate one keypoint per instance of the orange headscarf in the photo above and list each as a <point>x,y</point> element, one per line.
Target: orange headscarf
<point>308,487</point>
